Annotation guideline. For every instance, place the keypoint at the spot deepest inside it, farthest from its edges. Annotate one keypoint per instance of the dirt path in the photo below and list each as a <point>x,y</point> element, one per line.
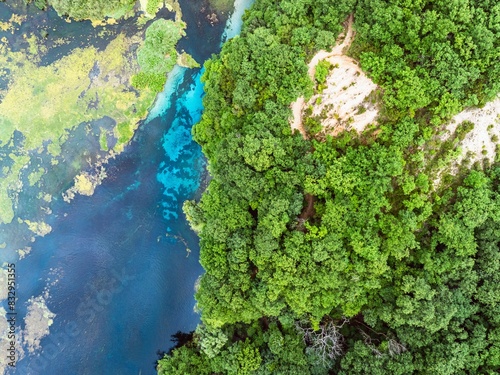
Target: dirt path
<point>339,53</point>
<point>338,50</point>
<point>296,123</point>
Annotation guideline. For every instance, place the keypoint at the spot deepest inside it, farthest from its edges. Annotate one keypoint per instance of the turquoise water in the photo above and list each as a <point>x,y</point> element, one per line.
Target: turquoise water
<point>124,276</point>
<point>119,267</point>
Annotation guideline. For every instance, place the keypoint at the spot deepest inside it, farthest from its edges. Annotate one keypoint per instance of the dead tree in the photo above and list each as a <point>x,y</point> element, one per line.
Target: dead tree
<point>325,344</point>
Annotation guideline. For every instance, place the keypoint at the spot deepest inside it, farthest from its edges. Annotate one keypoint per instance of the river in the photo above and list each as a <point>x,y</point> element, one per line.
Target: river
<point>119,267</point>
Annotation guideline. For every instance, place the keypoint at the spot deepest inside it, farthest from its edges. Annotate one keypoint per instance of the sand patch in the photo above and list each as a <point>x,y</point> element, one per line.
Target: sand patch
<point>343,104</point>
<point>481,142</point>
<point>296,122</point>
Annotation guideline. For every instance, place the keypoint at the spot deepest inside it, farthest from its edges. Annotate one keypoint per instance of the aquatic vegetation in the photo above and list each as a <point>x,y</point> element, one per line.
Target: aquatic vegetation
<point>86,85</point>
<point>152,6</point>
<point>158,56</point>
<point>186,60</point>
<point>222,5</point>
<point>39,228</point>
<point>92,9</point>
<point>83,86</point>
<point>10,182</point>
<point>69,161</point>
<point>10,25</point>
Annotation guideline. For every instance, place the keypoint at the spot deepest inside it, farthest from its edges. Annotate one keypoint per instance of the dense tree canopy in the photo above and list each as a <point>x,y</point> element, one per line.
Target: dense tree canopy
<point>441,55</point>
<point>343,254</point>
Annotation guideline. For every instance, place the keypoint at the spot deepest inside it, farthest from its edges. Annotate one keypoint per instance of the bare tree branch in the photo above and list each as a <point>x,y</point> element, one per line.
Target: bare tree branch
<point>326,344</point>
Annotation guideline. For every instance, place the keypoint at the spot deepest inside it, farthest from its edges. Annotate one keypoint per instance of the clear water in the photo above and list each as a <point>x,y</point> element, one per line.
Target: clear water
<point>119,267</point>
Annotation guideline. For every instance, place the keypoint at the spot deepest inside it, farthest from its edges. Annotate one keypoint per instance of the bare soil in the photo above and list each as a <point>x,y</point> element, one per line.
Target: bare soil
<point>343,104</point>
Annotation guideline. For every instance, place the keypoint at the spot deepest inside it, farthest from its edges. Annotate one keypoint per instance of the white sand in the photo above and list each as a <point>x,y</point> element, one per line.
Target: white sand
<point>346,93</point>
<point>480,138</point>
<point>347,89</point>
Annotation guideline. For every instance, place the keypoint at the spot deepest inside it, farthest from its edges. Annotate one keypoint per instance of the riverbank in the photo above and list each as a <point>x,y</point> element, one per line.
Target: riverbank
<point>106,249</point>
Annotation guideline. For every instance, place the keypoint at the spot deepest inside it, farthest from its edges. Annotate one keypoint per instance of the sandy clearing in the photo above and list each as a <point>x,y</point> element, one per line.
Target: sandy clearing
<point>478,142</point>
<point>343,103</point>
<point>296,122</point>
<point>345,99</point>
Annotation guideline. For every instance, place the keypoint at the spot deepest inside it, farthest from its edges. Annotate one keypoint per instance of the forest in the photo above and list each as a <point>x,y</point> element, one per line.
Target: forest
<point>343,255</point>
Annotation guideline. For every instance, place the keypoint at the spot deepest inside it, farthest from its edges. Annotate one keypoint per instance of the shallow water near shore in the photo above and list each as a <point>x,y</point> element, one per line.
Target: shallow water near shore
<point>116,267</point>
<point>119,267</point>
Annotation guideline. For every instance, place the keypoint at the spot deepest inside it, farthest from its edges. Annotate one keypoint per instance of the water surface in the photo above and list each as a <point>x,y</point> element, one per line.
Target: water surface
<point>119,267</point>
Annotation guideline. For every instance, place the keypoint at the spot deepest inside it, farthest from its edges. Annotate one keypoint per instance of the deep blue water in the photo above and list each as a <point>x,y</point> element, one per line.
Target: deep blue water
<point>119,267</point>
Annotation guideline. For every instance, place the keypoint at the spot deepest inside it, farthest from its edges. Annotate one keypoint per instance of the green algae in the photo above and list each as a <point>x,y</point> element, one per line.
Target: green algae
<point>10,183</point>
<point>35,176</point>
<point>222,5</point>
<point>64,94</point>
<point>45,103</point>
<point>93,9</point>
<point>38,228</point>
<point>103,141</point>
